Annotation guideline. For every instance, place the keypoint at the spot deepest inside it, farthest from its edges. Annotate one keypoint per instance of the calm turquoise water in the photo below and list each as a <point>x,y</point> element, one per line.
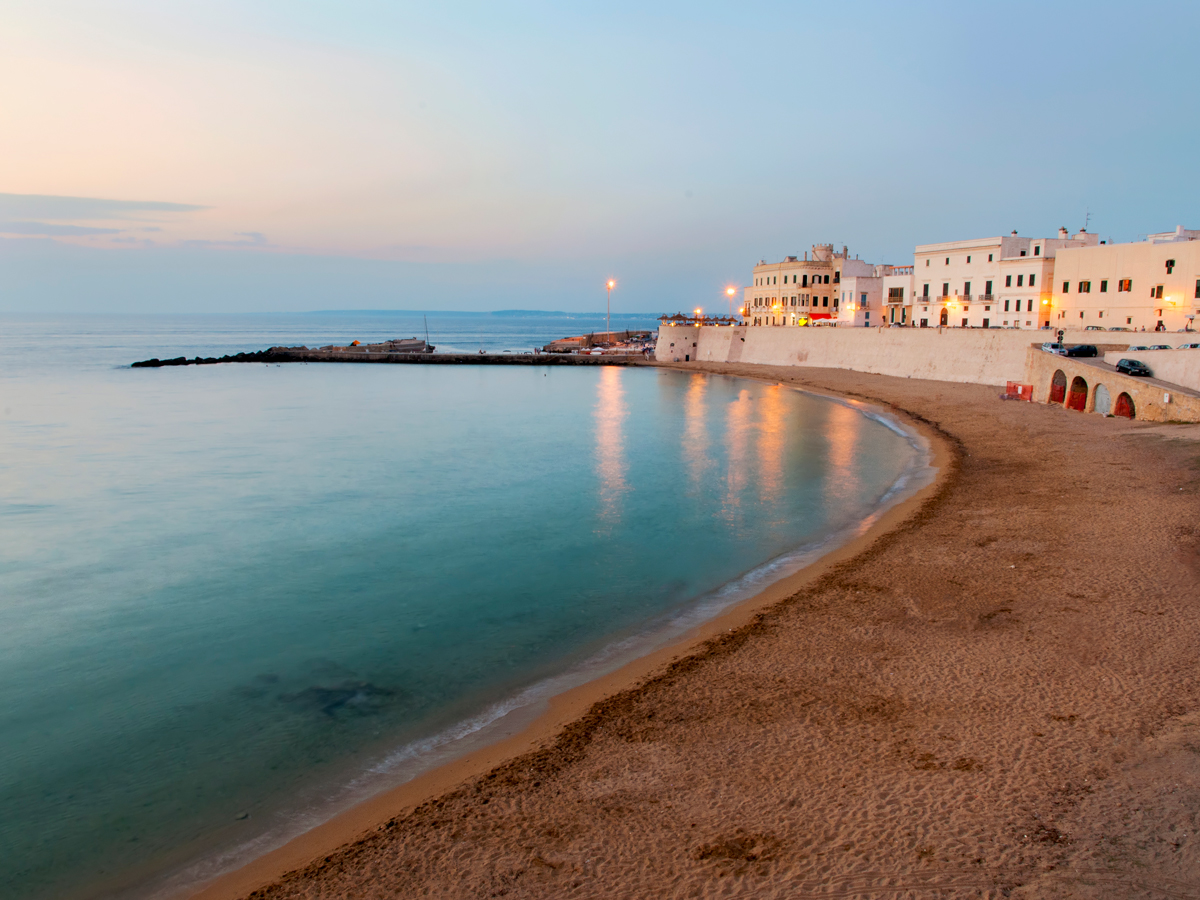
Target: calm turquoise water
<point>233,597</point>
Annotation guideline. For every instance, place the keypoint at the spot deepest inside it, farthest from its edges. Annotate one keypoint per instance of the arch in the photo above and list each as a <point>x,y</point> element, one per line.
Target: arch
<point>945,318</point>
<point>1058,387</point>
<point>1101,401</point>
<point>1124,407</point>
<point>1077,396</point>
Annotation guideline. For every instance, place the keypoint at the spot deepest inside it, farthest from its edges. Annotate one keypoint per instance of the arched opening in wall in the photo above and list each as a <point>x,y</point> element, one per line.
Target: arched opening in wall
<point>1124,407</point>
<point>1102,402</point>
<point>945,318</point>
<point>1077,396</point>
<point>1058,387</point>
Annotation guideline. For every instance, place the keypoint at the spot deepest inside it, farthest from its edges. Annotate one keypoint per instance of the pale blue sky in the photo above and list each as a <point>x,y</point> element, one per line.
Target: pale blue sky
<point>228,155</point>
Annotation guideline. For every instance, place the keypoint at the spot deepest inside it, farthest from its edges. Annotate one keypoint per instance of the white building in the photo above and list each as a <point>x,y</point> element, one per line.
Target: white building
<point>994,282</point>
<point>1151,285</point>
<point>795,291</point>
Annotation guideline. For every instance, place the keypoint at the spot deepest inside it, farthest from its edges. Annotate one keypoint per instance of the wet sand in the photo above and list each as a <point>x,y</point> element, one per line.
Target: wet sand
<point>994,694</point>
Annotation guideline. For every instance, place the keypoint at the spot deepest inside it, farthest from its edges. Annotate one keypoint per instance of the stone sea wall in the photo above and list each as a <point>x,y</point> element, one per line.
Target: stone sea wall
<point>975,355</point>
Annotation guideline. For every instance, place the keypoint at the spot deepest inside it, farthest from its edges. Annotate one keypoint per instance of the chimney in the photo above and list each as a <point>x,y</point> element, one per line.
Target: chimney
<point>1062,234</point>
<point>1014,232</point>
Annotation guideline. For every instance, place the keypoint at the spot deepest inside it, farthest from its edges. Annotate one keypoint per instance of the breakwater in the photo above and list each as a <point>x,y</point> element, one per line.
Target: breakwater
<point>302,354</point>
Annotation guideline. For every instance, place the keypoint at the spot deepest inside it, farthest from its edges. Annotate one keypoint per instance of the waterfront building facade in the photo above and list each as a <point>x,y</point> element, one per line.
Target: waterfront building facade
<point>1151,285</point>
<point>1067,281</point>
<point>796,291</point>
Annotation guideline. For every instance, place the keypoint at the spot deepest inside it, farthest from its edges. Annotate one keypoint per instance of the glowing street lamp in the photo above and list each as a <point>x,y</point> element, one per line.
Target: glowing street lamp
<point>608,311</point>
<point>729,292</point>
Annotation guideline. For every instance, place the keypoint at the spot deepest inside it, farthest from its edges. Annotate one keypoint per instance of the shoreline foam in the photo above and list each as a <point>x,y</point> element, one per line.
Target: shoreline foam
<point>520,723</point>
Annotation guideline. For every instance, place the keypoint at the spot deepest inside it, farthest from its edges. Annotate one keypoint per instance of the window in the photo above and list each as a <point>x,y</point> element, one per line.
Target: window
<point>1020,281</point>
<point>804,282</point>
<point>968,260</point>
<point>989,257</point>
<point>987,288</point>
<point>1066,287</point>
<point>964,324</point>
<point>1170,266</point>
<point>1008,281</point>
<point>924,323</point>
<point>1129,320</point>
<point>945,289</point>
<point>947,260</point>
<point>1032,279</point>
<point>925,289</point>
<point>1198,288</point>
<point>1037,251</point>
<point>837,278</point>
<point>967,289</point>
<point>864,300</point>
<point>987,309</point>
<point>1104,287</point>
<point>926,263</point>
<point>1156,294</point>
<point>1006,305</point>
<point>1022,252</point>
<point>1029,305</point>
<point>825,301</point>
<point>1125,284</point>
<point>1085,287</point>
<point>1101,314</point>
<point>827,279</point>
<point>896,294</point>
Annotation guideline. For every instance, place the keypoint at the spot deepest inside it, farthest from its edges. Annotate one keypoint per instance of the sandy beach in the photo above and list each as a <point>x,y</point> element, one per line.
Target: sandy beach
<point>994,694</point>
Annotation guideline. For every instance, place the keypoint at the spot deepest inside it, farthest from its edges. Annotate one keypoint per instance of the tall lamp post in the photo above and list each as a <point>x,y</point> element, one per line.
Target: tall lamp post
<point>729,292</point>
<point>608,312</point>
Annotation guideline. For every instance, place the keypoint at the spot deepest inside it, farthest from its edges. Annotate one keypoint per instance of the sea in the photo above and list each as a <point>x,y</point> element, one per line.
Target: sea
<point>236,599</point>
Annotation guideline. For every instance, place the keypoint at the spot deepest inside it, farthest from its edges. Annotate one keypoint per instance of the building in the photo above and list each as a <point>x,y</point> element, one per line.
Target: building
<point>1151,285</point>
<point>994,282</point>
<point>862,293</point>
<point>796,291</point>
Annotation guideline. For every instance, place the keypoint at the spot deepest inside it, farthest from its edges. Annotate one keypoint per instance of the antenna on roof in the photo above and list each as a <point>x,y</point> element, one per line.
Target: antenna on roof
<point>1086,219</point>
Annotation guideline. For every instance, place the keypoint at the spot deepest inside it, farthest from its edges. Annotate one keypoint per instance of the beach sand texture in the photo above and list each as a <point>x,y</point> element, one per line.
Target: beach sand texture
<point>998,698</point>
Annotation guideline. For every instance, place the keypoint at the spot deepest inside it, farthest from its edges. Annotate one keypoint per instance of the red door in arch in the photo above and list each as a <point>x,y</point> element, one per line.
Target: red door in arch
<point>1077,398</point>
<point>1058,387</point>
<point>1124,406</point>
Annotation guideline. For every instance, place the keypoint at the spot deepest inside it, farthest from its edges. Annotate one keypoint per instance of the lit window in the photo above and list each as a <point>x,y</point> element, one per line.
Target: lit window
<point>1085,287</point>
<point>1126,284</point>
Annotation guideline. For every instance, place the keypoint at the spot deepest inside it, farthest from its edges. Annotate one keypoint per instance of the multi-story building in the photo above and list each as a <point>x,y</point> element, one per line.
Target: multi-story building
<point>1151,285</point>
<point>995,282</point>
<point>795,291</point>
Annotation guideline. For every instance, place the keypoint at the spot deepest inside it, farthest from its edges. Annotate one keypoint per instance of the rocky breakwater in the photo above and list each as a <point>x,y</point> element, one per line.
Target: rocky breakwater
<point>357,355</point>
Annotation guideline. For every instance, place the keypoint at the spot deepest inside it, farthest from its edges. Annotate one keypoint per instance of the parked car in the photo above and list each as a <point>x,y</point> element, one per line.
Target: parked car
<point>1189,346</point>
<point>1081,350</point>
<point>1160,347</point>
<point>1133,367</point>
<point>1055,348</point>
<point>1094,328</point>
<point>1120,328</point>
<point>1138,347</point>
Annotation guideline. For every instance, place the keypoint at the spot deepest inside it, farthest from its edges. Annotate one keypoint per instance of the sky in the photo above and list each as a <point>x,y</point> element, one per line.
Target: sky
<point>236,156</point>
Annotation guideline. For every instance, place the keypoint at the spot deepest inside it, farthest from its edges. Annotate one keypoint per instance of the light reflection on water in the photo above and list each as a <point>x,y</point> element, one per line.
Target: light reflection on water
<point>610,442</point>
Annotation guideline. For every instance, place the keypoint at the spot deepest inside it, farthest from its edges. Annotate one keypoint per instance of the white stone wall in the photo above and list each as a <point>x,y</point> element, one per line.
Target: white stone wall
<point>952,354</point>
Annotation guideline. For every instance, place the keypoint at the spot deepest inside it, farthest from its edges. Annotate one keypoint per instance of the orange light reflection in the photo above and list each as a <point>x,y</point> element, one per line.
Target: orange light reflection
<point>610,415</point>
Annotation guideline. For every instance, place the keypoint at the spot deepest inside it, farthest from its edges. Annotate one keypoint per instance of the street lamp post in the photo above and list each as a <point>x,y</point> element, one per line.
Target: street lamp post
<point>729,292</point>
<point>608,311</point>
